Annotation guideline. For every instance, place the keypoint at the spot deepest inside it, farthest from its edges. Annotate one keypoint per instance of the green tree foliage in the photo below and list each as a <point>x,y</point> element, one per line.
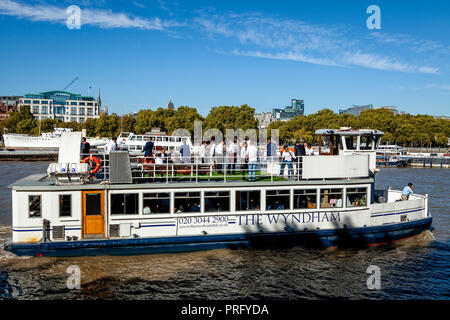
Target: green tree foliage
<point>231,117</point>
<point>402,129</point>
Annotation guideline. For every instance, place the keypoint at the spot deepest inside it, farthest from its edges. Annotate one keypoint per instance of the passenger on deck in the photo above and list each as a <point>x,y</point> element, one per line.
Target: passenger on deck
<point>111,146</point>
<point>244,160</point>
<point>232,156</point>
<point>148,149</point>
<point>219,159</point>
<point>299,152</point>
<point>202,152</point>
<point>185,152</point>
<point>86,147</point>
<point>407,191</point>
<point>286,158</point>
<point>308,149</point>
<point>252,154</point>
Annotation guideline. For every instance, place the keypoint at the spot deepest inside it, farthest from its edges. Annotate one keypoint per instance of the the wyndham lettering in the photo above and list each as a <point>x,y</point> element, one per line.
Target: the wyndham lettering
<point>292,218</point>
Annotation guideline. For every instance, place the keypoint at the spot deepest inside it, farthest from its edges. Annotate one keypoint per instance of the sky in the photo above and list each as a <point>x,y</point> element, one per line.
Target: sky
<point>205,53</point>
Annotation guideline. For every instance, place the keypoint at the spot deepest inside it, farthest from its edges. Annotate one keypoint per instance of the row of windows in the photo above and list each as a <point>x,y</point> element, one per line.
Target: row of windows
<point>72,103</point>
<point>144,138</point>
<point>62,110</point>
<point>217,201</point>
<point>220,201</point>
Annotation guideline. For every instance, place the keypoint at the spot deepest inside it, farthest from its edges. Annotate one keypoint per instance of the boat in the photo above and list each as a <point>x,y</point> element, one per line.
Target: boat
<point>47,140</point>
<point>135,143</point>
<point>123,205</point>
<point>392,155</point>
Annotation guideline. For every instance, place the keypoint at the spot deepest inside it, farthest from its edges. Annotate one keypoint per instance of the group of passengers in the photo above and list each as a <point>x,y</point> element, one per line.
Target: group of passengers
<point>219,155</point>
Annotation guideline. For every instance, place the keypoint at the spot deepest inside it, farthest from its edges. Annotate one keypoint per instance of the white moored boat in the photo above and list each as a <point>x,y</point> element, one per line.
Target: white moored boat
<point>47,140</point>
<point>134,143</point>
<point>132,207</point>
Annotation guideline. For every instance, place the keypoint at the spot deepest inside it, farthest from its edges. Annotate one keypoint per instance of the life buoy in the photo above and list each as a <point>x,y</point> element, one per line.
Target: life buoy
<point>97,162</point>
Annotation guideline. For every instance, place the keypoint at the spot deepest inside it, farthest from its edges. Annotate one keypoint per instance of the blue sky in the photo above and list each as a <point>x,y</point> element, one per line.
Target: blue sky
<point>209,53</point>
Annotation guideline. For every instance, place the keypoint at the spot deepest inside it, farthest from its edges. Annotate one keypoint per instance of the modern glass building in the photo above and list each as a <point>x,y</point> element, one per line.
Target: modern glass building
<point>63,105</point>
<point>297,108</point>
<point>356,110</point>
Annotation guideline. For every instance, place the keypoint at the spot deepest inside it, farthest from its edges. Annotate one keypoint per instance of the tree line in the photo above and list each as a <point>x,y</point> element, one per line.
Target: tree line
<point>401,129</point>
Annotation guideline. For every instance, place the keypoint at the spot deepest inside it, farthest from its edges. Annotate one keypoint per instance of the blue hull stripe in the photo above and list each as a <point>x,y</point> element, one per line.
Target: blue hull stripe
<point>390,214</point>
<point>353,237</point>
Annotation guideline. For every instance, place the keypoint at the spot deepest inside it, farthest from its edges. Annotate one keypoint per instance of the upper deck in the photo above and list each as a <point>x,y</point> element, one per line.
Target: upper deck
<point>337,163</point>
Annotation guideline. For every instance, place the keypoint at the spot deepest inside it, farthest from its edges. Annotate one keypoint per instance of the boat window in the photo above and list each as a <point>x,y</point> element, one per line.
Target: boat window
<point>277,199</point>
<point>124,203</point>
<point>187,202</point>
<point>331,198</point>
<point>356,197</point>
<point>248,200</point>
<point>133,138</point>
<point>366,143</point>
<point>325,145</point>
<point>156,203</point>
<point>139,138</point>
<point>305,198</point>
<point>34,206</point>
<point>65,205</point>
<point>217,201</point>
<point>351,142</point>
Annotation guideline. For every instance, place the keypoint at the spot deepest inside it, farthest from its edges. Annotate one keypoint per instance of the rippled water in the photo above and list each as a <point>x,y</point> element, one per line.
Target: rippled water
<point>416,268</point>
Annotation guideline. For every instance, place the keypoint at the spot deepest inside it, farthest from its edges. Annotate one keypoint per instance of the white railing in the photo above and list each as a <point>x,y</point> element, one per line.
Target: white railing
<point>229,168</point>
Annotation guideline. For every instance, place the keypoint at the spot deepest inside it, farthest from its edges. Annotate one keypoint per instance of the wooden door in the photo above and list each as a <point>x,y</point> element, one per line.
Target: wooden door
<point>93,204</point>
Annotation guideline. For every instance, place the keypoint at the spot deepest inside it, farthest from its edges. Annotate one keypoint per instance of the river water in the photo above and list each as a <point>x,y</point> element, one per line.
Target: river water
<point>415,268</point>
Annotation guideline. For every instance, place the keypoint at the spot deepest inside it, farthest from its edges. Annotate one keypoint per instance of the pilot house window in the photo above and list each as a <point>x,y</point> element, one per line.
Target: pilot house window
<point>34,206</point>
<point>124,203</point>
<point>356,197</point>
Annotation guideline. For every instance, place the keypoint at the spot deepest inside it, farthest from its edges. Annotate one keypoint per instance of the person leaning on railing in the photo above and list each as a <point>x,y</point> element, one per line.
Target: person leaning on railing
<point>407,191</point>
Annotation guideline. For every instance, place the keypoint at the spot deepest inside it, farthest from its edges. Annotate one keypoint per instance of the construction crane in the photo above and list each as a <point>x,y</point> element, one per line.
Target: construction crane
<point>71,82</point>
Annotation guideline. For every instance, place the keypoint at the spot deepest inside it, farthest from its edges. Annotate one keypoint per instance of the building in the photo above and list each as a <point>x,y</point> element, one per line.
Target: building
<point>297,108</point>
<point>264,119</point>
<point>393,109</point>
<point>63,105</point>
<point>170,105</point>
<point>8,104</point>
<point>356,110</point>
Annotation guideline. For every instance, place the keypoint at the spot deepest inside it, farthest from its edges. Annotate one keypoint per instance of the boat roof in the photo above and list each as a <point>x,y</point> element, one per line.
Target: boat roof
<point>350,132</point>
<point>42,182</point>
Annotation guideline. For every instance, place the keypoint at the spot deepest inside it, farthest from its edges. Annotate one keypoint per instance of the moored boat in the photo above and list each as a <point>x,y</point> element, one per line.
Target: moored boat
<point>135,207</point>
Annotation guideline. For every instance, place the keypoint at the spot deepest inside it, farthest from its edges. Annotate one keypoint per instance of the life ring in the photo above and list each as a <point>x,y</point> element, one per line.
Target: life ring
<point>97,162</point>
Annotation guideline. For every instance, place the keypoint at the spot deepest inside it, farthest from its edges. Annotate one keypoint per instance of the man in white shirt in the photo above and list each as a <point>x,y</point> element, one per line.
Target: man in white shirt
<point>252,154</point>
<point>111,146</point>
<point>232,156</point>
<point>202,152</point>
<point>218,154</point>
<point>286,158</point>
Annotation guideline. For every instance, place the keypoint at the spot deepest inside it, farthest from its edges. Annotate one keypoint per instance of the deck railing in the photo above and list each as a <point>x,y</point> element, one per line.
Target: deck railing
<point>198,169</point>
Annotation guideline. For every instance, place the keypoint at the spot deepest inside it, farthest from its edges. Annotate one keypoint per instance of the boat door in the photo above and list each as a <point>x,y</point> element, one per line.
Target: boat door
<point>93,208</point>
